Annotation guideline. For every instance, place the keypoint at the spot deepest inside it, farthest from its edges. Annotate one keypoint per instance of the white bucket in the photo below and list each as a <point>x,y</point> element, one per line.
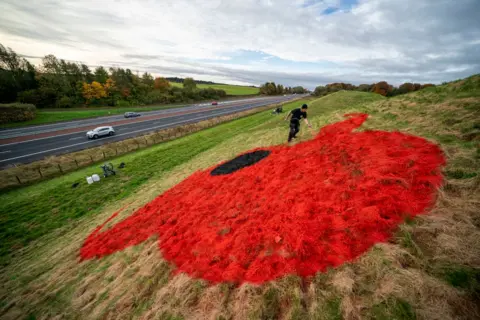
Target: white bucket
<point>89,180</point>
<point>95,177</point>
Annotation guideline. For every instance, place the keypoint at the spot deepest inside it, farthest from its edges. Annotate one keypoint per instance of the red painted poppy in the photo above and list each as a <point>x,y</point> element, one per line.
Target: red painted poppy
<point>281,210</point>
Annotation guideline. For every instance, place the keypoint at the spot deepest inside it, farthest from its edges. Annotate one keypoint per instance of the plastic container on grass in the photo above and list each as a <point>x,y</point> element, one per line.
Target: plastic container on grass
<point>89,180</point>
<point>96,177</point>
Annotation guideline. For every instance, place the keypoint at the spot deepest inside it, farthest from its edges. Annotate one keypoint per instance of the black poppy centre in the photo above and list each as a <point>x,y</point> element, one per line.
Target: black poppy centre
<point>240,162</point>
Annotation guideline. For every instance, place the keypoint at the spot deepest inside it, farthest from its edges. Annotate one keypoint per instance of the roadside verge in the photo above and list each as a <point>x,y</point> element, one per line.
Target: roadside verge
<point>58,165</point>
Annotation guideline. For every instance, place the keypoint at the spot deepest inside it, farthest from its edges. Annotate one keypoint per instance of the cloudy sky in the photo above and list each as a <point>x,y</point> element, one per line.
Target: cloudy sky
<point>293,42</point>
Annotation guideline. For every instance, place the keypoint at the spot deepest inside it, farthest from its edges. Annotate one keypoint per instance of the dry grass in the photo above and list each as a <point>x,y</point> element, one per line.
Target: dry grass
<point>429,270</point>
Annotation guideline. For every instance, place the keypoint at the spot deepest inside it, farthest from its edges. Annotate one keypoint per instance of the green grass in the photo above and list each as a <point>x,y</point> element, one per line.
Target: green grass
<point>462,277</point>
<point>393,309</point>
<point>271,305</point>
<point>329,309</point>
<point>460,174</point>
<point>34,211</point>
<point>49,116</point>
<point>231,90</point>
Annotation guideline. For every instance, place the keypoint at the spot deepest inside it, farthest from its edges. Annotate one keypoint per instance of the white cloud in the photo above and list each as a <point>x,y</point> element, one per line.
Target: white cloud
<point>393,40</point>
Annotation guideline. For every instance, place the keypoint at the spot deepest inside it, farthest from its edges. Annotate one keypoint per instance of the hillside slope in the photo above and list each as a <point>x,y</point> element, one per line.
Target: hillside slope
<point>428,270</point>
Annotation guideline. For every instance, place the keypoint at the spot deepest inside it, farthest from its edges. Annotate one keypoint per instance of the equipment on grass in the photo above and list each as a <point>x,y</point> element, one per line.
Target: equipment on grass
<point>108,169</point>
<point>277,110</point>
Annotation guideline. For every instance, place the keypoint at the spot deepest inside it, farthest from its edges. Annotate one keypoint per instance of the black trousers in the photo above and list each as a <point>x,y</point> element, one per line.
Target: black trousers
<point>294,128</point>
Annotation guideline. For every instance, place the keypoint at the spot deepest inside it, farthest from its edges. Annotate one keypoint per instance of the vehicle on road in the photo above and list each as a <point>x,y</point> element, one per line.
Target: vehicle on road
<point>131,114</point>
<point>100,132</point>
<point>214,103</point>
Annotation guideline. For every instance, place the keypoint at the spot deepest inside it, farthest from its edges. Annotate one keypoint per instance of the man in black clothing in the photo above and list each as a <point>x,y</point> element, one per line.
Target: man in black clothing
<point>297,114</point>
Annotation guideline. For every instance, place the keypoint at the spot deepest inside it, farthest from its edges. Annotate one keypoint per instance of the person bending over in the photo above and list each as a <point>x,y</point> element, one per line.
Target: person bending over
<point>297,114</point>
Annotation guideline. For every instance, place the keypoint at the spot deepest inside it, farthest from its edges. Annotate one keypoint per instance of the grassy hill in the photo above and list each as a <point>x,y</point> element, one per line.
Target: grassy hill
<point>428,270</point>
<point>231,90</point>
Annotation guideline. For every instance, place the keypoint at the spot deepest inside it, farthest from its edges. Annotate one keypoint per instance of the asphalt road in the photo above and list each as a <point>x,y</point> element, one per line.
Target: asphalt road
<point>59,142</point>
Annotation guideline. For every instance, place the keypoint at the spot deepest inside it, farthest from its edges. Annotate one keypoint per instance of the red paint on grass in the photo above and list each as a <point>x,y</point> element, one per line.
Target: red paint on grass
<point>299,210</point>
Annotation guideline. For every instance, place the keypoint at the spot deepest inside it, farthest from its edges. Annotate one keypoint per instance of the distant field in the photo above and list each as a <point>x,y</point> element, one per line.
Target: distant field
<point>229,89</point>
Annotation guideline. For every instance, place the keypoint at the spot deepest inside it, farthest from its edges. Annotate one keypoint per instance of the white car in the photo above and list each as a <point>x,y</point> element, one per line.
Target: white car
<point>100,132</point>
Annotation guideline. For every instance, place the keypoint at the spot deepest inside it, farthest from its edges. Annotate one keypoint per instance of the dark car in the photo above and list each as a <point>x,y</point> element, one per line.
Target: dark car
<point>214,103</point>
<point>131,114</point>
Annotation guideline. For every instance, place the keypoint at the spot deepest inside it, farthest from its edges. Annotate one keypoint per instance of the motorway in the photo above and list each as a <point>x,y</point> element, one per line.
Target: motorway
<point>27,144</point>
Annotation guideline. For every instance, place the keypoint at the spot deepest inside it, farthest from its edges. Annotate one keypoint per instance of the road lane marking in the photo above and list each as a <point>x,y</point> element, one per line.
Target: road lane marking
<point>7,151</point>
<point>123,134</point>
<point>75,138</point>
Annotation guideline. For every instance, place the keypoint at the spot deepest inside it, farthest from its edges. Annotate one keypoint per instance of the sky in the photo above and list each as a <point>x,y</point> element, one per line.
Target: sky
<point>292,42</point>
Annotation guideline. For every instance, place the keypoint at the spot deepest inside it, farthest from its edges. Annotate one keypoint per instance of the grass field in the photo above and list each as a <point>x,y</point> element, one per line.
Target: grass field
<point>231,90</point>
<point>429,270</point>
<point>49,116</point>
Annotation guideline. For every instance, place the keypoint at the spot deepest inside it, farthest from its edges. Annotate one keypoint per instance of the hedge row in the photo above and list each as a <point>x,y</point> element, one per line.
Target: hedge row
<point>58,165</point>
<point>17,112</point>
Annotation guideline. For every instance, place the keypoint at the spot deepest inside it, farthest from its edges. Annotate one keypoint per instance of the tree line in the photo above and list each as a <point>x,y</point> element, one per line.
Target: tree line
<point>270,88</point>
<point>57,83</point>
<point>381,87</point>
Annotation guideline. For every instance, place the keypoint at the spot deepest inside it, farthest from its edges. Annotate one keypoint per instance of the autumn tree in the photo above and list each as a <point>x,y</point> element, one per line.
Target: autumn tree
<point>92,91</point>
<point>382,88</point>
<point>161,84</point>
<point>405,88</point>
<point>109,85</point>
